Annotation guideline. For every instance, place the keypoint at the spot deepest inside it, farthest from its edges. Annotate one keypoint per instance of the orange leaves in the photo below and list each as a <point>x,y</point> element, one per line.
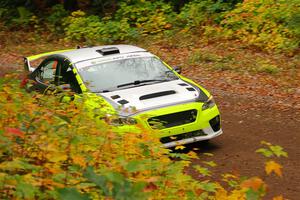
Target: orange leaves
<point>254,183</point>
<point>272,166</point>
<point>79,160</point>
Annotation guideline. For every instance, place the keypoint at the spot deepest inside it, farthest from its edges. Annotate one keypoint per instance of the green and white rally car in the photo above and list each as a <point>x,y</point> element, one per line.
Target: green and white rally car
<point>139,86</point>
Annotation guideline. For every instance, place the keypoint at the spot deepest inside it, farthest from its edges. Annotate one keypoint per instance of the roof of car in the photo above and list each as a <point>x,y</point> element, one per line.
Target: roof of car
<point>93,52</point>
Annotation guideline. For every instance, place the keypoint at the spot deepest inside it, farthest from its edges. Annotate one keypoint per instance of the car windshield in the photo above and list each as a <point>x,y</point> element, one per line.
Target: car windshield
<point>124,73</point>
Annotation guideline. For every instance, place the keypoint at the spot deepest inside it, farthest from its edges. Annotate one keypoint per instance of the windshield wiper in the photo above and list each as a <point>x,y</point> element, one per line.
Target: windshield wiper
<point>137,82</point>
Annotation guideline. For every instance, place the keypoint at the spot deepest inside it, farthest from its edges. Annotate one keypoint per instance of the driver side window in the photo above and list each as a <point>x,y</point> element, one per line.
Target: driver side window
<point>48,71</point>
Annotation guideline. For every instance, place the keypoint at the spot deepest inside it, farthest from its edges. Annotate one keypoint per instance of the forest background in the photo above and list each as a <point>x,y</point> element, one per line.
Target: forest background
<point>232,45</point>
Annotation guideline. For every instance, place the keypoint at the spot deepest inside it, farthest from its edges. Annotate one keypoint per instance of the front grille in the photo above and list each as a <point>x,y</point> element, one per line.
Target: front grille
<point>173,119</point>
<point>215,123</point>
<point>182,136</point>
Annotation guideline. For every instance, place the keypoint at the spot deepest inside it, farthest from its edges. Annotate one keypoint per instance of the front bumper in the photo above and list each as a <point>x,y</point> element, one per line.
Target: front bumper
<point>204,127</point>
<point>209,135</point>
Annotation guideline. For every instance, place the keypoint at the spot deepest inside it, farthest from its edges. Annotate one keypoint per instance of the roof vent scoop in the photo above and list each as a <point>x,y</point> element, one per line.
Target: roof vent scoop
<point>108,51</point>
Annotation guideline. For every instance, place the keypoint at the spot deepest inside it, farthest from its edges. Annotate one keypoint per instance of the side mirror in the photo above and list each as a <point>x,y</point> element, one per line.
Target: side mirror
<point>177,69</point>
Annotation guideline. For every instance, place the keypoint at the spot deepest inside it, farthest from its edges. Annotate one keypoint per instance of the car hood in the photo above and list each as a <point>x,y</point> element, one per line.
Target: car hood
<point>138,99</point>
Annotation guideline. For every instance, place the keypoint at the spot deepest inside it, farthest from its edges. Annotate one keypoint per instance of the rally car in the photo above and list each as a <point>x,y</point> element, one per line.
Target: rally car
<point>138,85</point>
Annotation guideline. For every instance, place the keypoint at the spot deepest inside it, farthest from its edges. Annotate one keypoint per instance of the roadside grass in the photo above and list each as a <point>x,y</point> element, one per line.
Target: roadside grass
<point>268,68</point>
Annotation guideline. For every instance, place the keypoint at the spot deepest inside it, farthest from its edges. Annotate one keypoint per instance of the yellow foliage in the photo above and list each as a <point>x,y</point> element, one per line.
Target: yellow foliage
<point>237,195</point>
<point>192,154</point>
<point>51,155</point>
<point>181,147</point>
<point>261,23</point>
<point>280,197</point>
<point>272,166</point>
<point>56,156</point>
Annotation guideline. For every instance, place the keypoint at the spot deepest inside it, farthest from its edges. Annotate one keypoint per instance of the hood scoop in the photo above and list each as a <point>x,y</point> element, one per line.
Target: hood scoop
<point>157,94</point>
<point>190,89</point>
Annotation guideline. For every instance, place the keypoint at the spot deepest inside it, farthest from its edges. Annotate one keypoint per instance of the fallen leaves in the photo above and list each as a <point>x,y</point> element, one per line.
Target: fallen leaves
<point>280,197</point>
<point>180,147</point>
<point>255,183</point>
<point>272,166</point>
<point>202,170</point>
<point>210,163</point>
<point>278,151</point>
<point>273,150</point>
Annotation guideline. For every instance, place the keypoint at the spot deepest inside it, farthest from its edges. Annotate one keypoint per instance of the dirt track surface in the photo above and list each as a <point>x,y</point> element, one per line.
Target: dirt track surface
<point>234,151</point>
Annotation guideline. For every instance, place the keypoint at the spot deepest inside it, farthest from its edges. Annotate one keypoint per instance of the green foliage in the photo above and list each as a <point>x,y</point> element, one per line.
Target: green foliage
<point>199,12</point>
<point>25,17</point>
<point>148,17</point>
<point>71,194</point>
<point>218,62</point>
<point>268,68</point>
<point>50,149</point>
<point>143,17</point>
<point>55,19</point>
<point>272,150</point>
<point>198,56</point>
<point>79,27</point>
<point>115,185</point>
<point>293,23</point>
<point>3,12</point>
<point>53,150</point>
<point>202,170</point>
<point>19,18</point>
<point>265,24</point>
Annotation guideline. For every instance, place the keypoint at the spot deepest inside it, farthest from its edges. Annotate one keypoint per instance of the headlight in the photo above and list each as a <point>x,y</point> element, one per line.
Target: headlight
<point>123,121</point>
<point>209,103</point>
